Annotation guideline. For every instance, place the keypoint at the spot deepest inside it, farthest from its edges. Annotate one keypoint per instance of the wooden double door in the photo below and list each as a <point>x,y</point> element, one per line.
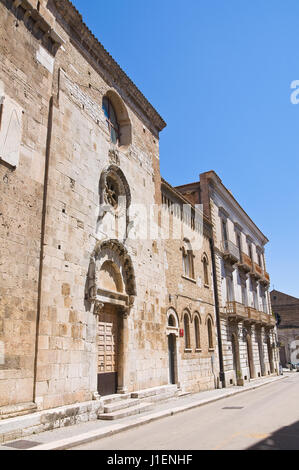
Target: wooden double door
<point>108,350</point>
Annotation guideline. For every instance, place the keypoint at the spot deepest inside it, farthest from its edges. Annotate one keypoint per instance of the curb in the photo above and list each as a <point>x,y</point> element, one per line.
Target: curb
<point>91,436</point>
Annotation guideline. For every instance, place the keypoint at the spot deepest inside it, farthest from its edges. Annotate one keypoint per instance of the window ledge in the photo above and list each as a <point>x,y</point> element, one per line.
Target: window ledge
<point>211,349</point>
<point>198,350</point>
<point>188,350</point>
<point>207,286</point>
<point>189,279</point>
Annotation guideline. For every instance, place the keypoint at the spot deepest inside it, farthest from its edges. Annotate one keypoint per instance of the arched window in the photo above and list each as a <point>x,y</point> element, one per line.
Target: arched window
<point>187,331</point>
<point>197,332</point>
<point>111,120</point>
<point>210,334</point>
<point>188,260</point>
<point>206,270</point>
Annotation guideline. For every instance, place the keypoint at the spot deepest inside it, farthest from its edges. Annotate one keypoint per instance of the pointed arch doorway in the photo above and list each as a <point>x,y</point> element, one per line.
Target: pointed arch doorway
<point>172,358</point>
<point>172,335</point>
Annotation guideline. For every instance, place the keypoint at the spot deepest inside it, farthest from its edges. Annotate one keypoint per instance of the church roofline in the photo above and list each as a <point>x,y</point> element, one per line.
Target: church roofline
<point>94,47</point>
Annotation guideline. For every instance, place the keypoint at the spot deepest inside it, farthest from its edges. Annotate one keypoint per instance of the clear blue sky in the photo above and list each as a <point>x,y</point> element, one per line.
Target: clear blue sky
<point>219,72</point>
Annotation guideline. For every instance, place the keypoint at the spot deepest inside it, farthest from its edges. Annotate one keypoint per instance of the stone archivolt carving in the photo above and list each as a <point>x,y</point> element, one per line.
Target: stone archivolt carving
<point>114,251</point>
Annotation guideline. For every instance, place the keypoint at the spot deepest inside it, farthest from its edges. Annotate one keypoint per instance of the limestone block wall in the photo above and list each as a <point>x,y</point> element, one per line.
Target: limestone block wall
<point>198,369</point>
<point>25,87</point>
<point>80,147</point>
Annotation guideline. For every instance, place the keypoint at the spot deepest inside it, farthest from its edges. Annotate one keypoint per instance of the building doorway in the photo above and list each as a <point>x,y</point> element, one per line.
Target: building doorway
<point>250,357</point>
<point>261,353</point>
<point>172,335</point>
<point>172,358</point>
<point>270,355</point>
<point>283,356</point>
<point>108,350</point>
<point>236,357</point>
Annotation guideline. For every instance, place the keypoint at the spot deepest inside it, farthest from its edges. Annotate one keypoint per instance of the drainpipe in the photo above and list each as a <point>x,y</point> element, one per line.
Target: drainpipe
<point>42,244</point>
<point>218,325</point>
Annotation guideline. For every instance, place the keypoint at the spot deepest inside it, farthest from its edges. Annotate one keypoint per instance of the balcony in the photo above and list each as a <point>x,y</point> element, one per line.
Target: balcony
<point>256,272</point>
<point>245,263</point>
<point>236,311</point>
<point>265,280</point>
<point>253,315</point>
<point>267,320</point>
<point>230,252</point>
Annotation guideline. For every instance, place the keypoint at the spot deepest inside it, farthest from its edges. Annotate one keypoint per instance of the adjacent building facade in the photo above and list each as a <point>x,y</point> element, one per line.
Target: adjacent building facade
<point>107,273</point>
<point>189,283</point>
<point>247,324</point>
<point>286,308</point>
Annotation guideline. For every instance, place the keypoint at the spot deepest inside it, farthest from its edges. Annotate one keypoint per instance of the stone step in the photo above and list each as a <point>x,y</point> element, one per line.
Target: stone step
<point>184,394</point>
<point>156,391</point>
<point>113,398</point>
<point>121,405</point>
<point>162,397</point>
<point>134,410</point>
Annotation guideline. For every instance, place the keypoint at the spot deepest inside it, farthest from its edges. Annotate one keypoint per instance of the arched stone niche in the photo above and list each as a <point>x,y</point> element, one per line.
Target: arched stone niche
<point>111,277</point>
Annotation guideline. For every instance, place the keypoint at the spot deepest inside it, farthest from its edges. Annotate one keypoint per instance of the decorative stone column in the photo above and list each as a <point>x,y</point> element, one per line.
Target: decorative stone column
<point>123,378</point>
<point>97,310</point>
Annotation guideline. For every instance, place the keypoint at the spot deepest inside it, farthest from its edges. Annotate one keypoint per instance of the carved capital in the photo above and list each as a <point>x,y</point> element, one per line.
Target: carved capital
<point>98,307</point>
<point>114,156</point>
<point>131,300</point>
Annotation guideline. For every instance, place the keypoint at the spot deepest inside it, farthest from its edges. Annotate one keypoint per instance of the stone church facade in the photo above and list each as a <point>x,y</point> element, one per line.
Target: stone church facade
<point>95,298</point>
<point>86,302</point>
<point>286,309</point>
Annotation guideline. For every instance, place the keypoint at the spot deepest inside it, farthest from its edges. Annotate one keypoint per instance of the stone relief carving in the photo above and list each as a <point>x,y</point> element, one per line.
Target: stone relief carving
<point>115,251</point>
<point>114,156</point>
<point>115,200</point>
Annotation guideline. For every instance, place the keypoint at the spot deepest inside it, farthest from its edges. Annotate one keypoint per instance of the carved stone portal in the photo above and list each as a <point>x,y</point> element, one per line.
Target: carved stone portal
<point>111,278</point>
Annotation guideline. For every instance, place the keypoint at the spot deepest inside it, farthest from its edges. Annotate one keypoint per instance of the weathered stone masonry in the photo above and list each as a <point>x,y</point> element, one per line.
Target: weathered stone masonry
<point>57,278</point>
<point>84,312</point>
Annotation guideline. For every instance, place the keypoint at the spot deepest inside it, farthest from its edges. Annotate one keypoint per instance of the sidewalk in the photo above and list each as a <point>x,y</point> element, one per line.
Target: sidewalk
<point>67,437</point>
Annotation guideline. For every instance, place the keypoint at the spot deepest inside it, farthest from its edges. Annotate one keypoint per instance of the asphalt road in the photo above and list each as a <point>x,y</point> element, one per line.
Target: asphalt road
<point>263,419</point>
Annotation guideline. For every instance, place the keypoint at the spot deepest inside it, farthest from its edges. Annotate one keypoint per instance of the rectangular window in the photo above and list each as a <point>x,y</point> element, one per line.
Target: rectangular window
<point>224,230</point>
<point>254,294</point>
<point>244,295</point>
<point>239,244</point>
<point>230,289</point>
<point>250,251</point>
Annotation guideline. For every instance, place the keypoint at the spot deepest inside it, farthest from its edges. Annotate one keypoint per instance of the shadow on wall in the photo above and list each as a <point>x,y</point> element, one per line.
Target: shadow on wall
<point>286,438</point>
